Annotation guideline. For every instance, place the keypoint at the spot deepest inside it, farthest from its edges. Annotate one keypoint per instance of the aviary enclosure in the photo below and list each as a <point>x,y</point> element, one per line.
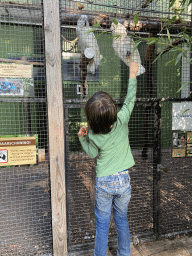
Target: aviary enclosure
<point>161,178</point>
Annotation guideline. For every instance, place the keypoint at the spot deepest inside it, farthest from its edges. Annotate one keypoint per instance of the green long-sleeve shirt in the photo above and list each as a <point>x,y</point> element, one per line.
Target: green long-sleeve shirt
<point>113,149</point>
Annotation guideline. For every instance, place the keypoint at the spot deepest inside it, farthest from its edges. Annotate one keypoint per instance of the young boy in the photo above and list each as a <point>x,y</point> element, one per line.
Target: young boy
<point>108,139</point>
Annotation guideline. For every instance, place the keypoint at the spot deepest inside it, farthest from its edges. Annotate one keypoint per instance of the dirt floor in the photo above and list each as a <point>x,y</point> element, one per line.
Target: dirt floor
<point>179,246</point>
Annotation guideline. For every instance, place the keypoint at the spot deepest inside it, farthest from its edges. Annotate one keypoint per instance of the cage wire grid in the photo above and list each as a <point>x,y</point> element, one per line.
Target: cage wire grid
<point>25,224</point>
<point>25,190</point>
<point>150,125</point>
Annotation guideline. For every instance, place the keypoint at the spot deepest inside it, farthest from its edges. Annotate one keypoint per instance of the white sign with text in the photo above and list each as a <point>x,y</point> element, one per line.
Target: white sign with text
<point>182,116</point>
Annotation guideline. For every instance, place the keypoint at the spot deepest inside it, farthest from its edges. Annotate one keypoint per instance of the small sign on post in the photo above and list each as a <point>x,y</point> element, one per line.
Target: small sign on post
<point>17,151</point>
<point>182,116</point>
<point>182,126</point>
<point>16,80</point>
<point>189,144</point>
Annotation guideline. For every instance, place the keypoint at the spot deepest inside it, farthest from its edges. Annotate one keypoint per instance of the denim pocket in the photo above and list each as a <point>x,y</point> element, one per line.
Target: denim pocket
<point>104,181</point>
<point>123,179</point>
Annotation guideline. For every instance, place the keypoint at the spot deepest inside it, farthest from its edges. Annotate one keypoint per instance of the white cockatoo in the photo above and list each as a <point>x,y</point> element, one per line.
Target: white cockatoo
<point>88,40</point>
<point>123,46</point>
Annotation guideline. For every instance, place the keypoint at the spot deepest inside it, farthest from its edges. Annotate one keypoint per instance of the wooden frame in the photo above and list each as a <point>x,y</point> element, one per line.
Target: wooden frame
<point>56,125</point>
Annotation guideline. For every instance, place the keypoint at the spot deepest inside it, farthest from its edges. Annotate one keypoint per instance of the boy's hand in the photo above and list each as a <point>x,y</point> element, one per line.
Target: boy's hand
<point>133,68</point>
<point>82,132</point>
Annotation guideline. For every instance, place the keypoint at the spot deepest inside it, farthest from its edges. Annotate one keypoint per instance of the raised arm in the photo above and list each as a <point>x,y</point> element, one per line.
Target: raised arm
<point>125,112</point>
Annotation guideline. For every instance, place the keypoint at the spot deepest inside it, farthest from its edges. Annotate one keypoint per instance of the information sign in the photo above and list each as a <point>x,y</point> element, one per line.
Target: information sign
<point>17,151</point>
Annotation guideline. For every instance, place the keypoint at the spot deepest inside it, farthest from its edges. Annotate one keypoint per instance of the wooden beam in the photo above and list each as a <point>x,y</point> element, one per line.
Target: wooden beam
<point>146,24</point>
<point>31,14</point>
<point>56,125</point>
<point>25,62</point>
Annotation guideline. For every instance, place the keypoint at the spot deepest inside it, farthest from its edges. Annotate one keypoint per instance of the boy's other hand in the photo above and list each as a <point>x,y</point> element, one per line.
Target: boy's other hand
<point>82,132</point>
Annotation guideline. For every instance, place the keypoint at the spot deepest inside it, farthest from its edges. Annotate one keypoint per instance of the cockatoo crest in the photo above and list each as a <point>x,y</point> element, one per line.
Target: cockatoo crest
<point>118,29</point>
<point>123,46</point>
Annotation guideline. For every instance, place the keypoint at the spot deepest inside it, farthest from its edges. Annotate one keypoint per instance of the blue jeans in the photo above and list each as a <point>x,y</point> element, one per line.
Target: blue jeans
<point>112,191</point>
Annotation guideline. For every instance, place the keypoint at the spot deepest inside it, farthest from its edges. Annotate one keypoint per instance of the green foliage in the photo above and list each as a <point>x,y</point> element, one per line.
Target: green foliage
<point>136,44</point>
<point>136,18</point>
<point>189,152</point>
<point>182,3</point>
<point>116,37</point>
<point>182,87</point>
<point>185,111</point>
<point>89,31</point>
<point>96,25</point>
<point>115,21</point>
<point>164,41</point>
<point>172,3</point>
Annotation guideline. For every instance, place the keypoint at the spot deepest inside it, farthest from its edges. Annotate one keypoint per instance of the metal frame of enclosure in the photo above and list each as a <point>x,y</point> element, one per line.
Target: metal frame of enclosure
<point>47,208</point>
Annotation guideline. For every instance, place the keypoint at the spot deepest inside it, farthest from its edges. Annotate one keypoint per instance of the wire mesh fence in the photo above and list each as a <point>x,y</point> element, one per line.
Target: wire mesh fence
<point>150,129</point>
<point>161,182</point>
<point>25,223</point>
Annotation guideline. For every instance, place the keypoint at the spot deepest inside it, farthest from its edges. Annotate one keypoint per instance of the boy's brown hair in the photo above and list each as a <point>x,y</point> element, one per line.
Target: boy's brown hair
<point>101,112</point>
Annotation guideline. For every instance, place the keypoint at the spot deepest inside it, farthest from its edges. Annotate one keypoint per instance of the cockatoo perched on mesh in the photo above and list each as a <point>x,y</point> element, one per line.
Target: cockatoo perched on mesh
<point>88,40</point>
<point>123,46</point>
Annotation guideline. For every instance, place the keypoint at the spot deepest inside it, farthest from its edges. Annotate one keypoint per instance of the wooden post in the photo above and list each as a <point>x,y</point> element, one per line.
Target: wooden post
<point>56,123</point>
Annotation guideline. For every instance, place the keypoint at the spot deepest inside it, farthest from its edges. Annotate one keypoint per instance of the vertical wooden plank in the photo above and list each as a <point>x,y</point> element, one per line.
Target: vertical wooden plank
<point>55,121</point>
